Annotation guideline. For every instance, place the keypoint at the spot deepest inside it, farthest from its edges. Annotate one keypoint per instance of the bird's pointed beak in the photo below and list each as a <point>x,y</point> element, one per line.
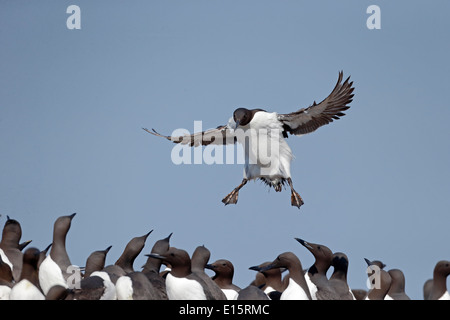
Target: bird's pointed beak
<point>156,256</point>
<point>304,243</point>
<point>146,235</point>
<point>210,266</point>
<point>265,268</point>
<point>237,125</point>
<point>255,268</point>
<point>48,247</point>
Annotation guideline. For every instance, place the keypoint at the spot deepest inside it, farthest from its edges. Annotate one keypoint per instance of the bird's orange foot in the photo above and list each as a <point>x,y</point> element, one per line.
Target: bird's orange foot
<point>296,200</point>
<point>231,198</point>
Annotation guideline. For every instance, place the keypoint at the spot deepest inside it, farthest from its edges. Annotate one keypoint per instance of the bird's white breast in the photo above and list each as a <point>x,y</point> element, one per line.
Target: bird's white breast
<point>267,153</point>
<point>4,292</point>
<point>50,274</point>
<point>445,296</point>
<point>183,289</point>
<point>230,294</point>
<point>294,292</point>
<point>25,290</point>
<point>110,289</point>
<point>312,287</point>
<point>124,287</point>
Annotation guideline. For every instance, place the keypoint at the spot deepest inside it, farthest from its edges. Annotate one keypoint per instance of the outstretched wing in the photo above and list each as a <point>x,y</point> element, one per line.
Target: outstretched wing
<point>219,136</point>
<point>308,120</point>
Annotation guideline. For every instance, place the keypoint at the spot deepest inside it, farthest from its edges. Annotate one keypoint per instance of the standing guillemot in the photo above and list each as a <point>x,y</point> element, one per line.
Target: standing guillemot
<point>381,282</point>
<point>131,251</point>
<point>271,129</point>
<point>28,286</point>
<point>397,288</point>
<point>11,234</point>
<point>152,267</point>
<point>95,285</point>
<point>377,280</point>
<point>223,277</point>
<point>54,269</point>
<point>438,290</point>
<point>10,247</point>
<point>124,263</point>
<point>199,261</point>
<point>181,283</point>
<point>338,279</point>
<point>58,250</point>
<point>96,261</point>
<point>318,283</point>
<point>134,285</point>
<point>297,288</point>
<point>273,284</point>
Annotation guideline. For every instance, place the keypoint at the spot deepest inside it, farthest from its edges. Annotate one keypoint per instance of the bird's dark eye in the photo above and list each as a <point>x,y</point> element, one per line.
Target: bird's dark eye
<point>318,247</point>
<point>172,255</point>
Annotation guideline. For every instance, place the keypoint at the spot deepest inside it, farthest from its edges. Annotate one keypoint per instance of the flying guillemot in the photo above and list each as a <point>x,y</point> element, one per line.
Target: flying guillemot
<point>261,129</point>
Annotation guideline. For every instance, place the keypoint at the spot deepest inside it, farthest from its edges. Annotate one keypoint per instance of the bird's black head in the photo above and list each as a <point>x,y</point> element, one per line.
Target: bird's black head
<point>242,116</point>
<point>340,262</point>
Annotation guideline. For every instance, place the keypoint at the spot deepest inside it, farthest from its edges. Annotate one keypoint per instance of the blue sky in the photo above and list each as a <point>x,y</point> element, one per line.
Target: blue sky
<point>73,102</point>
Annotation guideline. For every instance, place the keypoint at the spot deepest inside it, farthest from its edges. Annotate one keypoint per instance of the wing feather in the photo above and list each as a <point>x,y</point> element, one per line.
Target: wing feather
<point>219,136</point>
<point>309,119</point>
